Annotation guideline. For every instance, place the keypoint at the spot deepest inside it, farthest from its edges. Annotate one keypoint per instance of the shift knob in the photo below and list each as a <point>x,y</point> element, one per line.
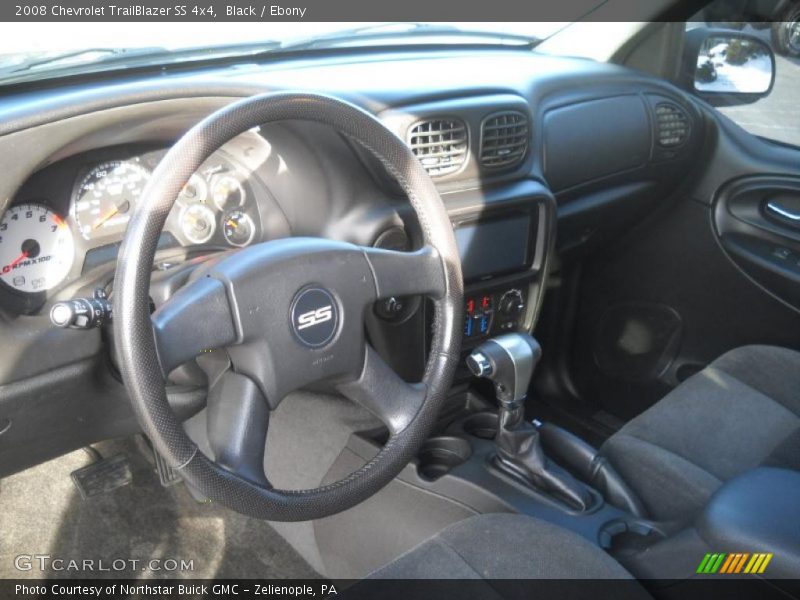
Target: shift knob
<point>509,361</point>
<point>479,364</point>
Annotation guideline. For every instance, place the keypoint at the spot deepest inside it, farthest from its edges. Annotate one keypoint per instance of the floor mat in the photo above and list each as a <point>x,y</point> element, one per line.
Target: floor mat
<point>42,513</point>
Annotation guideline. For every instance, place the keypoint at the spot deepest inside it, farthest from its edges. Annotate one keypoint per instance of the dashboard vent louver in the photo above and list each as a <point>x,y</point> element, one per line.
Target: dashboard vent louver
<point>672,125</point>
<point>439,144</point>
<point>504,139</point>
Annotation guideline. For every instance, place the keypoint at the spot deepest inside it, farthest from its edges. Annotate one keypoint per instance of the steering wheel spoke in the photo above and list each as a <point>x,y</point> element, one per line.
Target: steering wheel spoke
<point>381,391</point>
<point>195,319</point>
<point>407,273</point>
<point>238,419</point>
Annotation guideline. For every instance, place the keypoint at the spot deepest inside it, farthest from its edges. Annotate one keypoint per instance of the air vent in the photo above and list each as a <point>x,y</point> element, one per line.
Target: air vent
<point>504,139</point>
<point>672,125</point>
<point>439,144</point>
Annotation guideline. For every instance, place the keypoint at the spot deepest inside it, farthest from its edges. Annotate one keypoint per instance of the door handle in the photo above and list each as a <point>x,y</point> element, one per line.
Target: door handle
<point>790,212</point>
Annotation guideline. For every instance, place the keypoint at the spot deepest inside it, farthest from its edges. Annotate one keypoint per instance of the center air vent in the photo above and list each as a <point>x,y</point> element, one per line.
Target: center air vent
<point>504,139</point>
<point>672,125</point>
<point>439,144</point>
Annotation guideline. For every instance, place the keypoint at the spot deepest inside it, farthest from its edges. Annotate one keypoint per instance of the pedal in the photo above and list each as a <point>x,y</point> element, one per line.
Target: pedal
<point>102,476</point>
<point>166,474</point>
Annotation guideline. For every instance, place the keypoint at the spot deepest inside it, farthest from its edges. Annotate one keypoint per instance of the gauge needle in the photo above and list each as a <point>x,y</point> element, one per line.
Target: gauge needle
<point>16,261</point>
<point>105,217</point>
<point>118,208</point>
<point>232,223</point>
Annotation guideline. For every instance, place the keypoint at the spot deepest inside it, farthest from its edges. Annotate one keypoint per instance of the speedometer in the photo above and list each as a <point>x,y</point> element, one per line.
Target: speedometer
<point>106,196</point>
<point>36,248</point>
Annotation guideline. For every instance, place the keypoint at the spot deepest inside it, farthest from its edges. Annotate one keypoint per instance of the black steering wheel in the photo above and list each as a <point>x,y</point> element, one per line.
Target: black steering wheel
<point>287,313</point>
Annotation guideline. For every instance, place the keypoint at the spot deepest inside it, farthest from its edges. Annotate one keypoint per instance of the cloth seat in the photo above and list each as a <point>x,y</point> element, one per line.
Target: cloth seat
<point>504,546</point>
<point>740,412</point>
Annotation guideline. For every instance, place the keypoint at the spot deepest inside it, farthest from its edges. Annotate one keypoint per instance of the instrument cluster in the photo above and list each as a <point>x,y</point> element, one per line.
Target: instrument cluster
<point>44,242</point>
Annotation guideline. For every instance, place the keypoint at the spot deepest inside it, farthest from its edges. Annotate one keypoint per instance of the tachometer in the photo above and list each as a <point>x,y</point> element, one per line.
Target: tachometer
<point>36,248</point>
<point>106,196</point>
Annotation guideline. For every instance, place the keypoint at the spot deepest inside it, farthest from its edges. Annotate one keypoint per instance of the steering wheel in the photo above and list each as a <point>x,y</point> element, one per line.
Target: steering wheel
<point>288,313</point>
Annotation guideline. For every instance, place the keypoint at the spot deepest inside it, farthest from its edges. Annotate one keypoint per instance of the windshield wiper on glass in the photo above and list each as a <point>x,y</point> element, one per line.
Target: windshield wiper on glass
<point>377,34</point>
<point>88,53</point>
<point>101,59</point>
<point>111,58</point>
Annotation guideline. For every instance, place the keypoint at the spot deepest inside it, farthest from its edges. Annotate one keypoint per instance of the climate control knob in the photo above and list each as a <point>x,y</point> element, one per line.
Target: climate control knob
<point>512,303</point>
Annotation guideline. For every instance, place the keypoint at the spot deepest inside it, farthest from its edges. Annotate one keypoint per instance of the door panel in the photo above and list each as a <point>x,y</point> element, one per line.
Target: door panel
<point>758,223</point>
<point>661,305</point>
<point>715,269</point>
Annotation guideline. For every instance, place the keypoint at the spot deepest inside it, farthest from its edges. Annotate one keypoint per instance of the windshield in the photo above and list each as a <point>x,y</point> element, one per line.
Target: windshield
<point>31,51</point>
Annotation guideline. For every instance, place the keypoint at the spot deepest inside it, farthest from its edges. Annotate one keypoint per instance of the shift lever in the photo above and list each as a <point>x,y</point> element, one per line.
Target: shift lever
<point>509,361</point>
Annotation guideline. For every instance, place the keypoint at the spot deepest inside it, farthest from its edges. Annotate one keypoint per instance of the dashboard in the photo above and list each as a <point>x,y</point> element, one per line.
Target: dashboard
<point>537,159</point>
<point>71,216</point>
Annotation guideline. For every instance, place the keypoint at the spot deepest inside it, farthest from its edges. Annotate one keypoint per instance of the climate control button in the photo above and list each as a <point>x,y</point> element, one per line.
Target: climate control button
<point>512,303</point>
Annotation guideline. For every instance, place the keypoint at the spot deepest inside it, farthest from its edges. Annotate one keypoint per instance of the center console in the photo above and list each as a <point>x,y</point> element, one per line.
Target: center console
<point>499,246</point>
<point>504,237</point>
<point>484,459</point>
<point>484,456</point>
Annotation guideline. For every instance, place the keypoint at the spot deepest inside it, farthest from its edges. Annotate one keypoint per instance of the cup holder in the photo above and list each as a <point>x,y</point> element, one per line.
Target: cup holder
<point>631,534</point>
<point>441,454</point>
<point>481,425</point>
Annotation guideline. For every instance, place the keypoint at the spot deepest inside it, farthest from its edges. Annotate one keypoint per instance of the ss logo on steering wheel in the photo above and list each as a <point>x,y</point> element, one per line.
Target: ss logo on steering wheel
<point>314,317</point>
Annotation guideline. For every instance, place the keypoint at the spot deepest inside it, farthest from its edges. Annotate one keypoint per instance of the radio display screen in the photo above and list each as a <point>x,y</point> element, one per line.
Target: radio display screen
<point>495,246</point>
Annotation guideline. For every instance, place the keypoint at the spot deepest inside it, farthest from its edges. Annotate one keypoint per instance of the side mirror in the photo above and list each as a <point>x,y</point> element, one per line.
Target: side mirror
<point>727,67</point>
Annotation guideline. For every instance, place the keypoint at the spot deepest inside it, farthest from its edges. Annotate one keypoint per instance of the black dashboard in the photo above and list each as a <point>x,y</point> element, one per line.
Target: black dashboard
<point>626,139</point>
<point>537,158</point>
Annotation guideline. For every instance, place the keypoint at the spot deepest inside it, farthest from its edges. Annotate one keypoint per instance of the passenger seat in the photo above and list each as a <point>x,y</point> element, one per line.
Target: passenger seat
<point>740,412</point>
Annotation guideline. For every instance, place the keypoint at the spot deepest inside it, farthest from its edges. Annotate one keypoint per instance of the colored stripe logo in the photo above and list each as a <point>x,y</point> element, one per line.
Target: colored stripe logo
<point>736,562</point>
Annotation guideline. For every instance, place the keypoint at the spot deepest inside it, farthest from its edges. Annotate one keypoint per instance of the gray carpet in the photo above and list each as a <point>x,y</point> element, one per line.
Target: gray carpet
<point>42,513</point>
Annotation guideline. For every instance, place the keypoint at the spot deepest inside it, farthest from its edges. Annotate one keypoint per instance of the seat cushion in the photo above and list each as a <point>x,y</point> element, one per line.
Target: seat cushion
<point>504,546</point>
<point>740,412</point>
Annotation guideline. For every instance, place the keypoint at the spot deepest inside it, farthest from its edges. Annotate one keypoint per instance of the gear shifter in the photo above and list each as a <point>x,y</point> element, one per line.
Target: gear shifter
<point>509,361</point>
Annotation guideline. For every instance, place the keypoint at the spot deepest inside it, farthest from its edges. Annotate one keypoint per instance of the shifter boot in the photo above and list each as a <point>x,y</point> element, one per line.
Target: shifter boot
<point>519,451</point>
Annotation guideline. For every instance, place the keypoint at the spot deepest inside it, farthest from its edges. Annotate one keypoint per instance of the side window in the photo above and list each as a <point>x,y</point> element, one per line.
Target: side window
<point>776,22</point>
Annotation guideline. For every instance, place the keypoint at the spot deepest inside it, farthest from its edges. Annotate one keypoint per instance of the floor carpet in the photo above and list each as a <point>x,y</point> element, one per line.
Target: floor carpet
<point>42,513</point>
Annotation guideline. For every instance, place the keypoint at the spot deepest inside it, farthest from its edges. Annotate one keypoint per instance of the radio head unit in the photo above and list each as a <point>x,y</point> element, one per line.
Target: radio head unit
<point>496,244</point>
